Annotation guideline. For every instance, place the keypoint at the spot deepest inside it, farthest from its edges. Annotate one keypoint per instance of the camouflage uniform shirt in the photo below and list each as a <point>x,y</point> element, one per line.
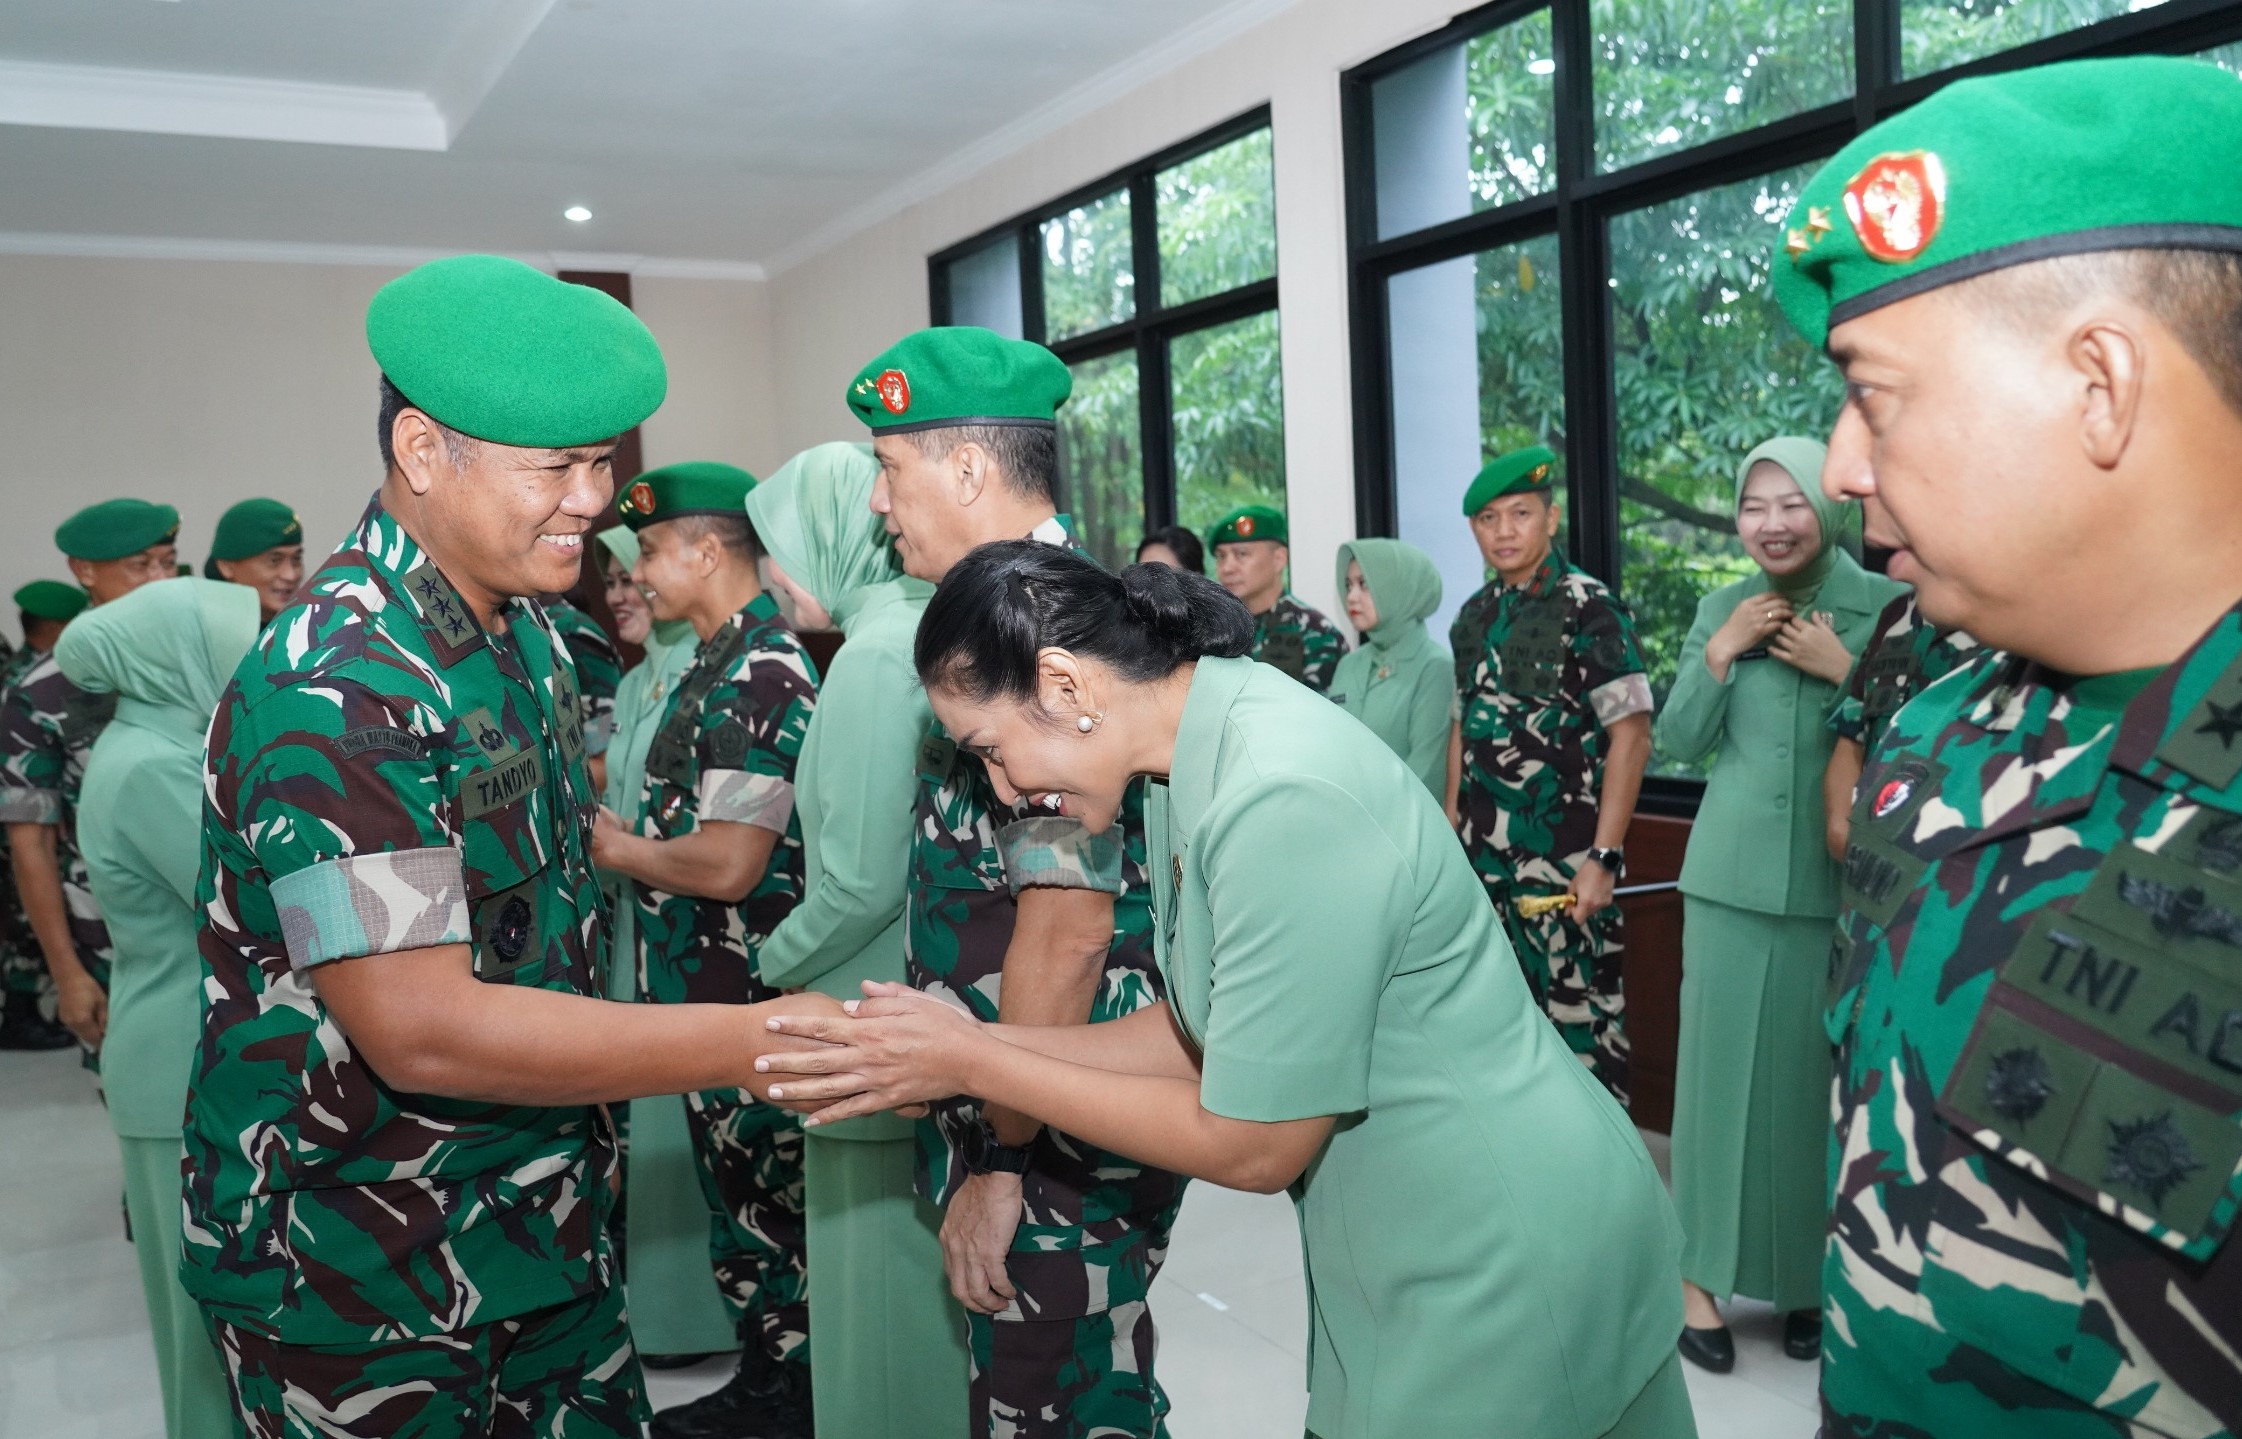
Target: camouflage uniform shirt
<point>599,671</point>
<point>1905,653</point>
<point>726,751</point>
<point>1541,670</point>
<point>386,775</point>
<point>47,728</point>
<point>2037,1007</point>
<point>1093,1227</point>
<point>21,967</point>
<point>1300,641</point>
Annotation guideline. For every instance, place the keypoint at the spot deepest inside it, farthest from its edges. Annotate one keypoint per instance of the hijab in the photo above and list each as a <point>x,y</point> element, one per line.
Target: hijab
<point>1404,586</point>
<point>1838,520</point>
<point>166,652</point>
<point>814,517</point>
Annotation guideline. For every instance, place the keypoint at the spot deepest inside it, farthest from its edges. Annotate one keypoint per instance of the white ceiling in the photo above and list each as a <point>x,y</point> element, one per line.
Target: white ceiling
<point>720,136</point>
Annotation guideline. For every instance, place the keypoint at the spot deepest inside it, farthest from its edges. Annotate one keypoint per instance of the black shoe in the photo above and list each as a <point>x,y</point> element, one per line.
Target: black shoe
<point>676,1361</point>
<point>763,1400</point>
<point>1712,1350</point>
<point>1802,1334</point>
<point>22,1026</point>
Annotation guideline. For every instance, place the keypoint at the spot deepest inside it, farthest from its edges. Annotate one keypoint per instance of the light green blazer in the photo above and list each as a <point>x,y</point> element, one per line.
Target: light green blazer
<point>1759,842</point>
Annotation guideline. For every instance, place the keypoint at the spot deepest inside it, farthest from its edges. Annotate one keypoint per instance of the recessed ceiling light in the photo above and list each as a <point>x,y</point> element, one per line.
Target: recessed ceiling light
<point>577,213</point>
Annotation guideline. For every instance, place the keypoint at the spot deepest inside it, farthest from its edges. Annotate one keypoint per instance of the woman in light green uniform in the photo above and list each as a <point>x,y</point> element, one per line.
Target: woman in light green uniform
<point>1764,661</point>
<point>1400,681</point>
<point>165,651</point>
<point>891,1361</point>
<point>1488,1247</point>
<point>676,1313</point>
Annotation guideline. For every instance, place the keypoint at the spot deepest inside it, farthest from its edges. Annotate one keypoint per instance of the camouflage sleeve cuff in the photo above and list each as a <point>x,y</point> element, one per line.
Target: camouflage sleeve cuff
<point>29,806</point>
<point>738,796</point>
<point>1627,695</point>
<point>1058,852</point>
<point>1848,718</point>
<point>373,904</point>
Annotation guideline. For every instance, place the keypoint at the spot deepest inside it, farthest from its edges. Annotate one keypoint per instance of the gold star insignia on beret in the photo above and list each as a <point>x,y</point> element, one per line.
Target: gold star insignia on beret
<point>1817,221</point>
<point>1797,242</point>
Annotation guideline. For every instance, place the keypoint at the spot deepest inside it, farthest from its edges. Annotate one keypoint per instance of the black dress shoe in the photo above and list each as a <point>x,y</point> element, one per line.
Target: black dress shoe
<point>1712,1350</point>
<point>763,1400</point>
<point>1802,1334</point>
<point>675,1361</point>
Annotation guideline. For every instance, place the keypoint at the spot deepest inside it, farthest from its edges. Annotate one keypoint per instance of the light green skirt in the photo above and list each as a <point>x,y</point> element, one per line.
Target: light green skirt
<point>891,1361</point>
<point>196,1402</point>
<point>1751,1104</point>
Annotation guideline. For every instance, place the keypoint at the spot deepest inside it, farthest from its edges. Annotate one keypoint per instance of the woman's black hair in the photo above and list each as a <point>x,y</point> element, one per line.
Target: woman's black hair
<point>1182,541</point>
<point>1005,603</point>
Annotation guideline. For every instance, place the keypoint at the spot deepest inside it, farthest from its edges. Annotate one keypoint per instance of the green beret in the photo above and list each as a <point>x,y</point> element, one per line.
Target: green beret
<point>253,527</point>
<point>696,487</point>
<point>51,600</point>
<point>1249,522</point>
<point>2136,153</point>
<point>959,375</point>
<point>116,528</point>
<point>1532,470</point>
<point>509,354</point>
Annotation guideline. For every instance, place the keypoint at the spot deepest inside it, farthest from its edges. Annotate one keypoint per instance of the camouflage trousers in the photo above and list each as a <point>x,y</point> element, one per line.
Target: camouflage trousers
<point>1575,971</point>
<point>750,1157</point>
<point>568,1372</point>
<point>1087,1378</point>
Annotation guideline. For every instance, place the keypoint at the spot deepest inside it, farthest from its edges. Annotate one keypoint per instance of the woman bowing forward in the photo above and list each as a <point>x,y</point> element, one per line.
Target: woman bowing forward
<point>1487,1243</point>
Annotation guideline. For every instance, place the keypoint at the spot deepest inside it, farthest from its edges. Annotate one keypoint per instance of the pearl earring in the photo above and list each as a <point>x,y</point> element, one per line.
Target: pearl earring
<point>1088,722</point>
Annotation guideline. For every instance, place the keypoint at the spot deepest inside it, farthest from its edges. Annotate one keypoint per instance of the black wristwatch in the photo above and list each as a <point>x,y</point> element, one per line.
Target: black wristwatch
<point>1614,860</point>
<point>984,1154</point>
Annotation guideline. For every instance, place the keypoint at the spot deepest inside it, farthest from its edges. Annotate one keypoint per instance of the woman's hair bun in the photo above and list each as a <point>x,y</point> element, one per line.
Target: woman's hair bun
<point>1189,615</point>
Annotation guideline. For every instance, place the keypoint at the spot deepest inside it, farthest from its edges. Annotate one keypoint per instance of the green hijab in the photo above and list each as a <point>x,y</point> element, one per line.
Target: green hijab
<point>622,543</point>
<point>1404,585</point>
<point>1839,520</point>
<point>166,651</point>
<point>815,519</point>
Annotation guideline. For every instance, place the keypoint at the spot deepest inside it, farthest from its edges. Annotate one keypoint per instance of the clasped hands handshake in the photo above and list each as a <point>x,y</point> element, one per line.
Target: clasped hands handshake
<point>894,1049</point>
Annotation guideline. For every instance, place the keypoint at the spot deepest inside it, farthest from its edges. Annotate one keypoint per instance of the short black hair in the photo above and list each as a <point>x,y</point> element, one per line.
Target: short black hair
<point>29,624</point>
<point>459,446</point>
<point>2197,294</point>
<point>1185,544</point>
<point>1005,603</point>
<point>1027,456</point>
<point>735,532</point>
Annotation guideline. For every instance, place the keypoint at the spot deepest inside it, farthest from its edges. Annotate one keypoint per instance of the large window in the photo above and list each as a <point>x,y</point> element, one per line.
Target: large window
<point>1561,216</point>
<point>1158,287</point>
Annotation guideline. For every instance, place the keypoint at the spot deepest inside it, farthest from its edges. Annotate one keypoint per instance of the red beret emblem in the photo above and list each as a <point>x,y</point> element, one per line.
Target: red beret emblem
<point>642,498</point>
<point>895,391</point>
<point>1896,204</point>
<point>1245,527</point>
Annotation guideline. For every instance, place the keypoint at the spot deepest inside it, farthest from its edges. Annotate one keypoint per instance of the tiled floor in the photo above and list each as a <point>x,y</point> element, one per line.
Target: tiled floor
<point>75,1362</point>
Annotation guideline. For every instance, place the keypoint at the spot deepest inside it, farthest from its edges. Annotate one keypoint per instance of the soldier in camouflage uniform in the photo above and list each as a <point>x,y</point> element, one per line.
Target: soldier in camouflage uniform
<point>599,672</point>
<point>1906,653</point>
<point>1546,753</point>
<point>2035,989</point>
<point>47,728</point>
<point>44,607</point>
<point>1251,550</point>
<point>1051,1243</point>
<point>259,543</point>
<point>399,1173</point>
<point>715,864</point>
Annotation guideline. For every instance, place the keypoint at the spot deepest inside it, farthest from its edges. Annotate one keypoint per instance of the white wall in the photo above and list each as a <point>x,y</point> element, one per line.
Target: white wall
<point>833,312</point>
<point>198,383</point>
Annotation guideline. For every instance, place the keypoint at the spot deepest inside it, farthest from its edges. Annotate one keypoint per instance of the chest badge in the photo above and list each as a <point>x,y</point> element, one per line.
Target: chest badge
<point>2151,1155</point>
<point>490,737</point>
<point>1893,796</point>
<point>511,934</point>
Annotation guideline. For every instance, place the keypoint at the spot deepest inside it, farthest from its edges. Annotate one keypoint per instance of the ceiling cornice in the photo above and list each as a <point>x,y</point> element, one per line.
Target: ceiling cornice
<point>1205,34</point>
<point>387,257</point>
<point>153,102</point>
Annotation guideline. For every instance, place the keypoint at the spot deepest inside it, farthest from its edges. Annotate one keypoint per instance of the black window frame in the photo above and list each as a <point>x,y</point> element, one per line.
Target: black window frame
<point>1580,204</point>
<point>1150,329</point>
